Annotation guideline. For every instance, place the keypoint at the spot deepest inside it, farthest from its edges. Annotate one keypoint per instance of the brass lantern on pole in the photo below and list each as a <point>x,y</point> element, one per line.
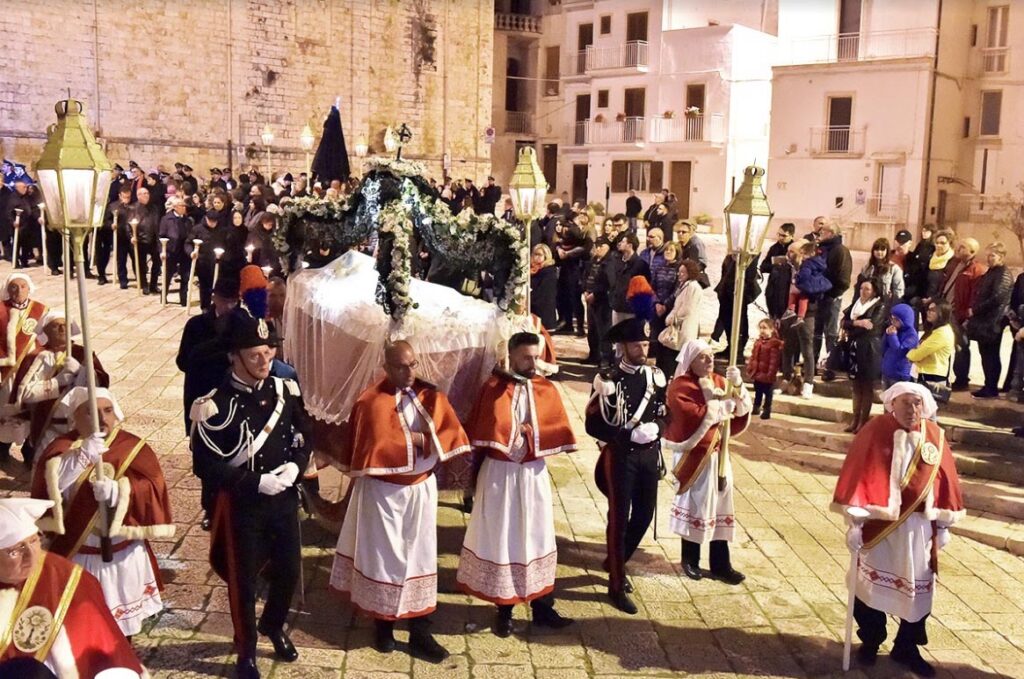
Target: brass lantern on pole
<point>267,137</point>
<point>74,175</point>
<point>306,138</point>
<point>746,223</point>
<point>528,190</point>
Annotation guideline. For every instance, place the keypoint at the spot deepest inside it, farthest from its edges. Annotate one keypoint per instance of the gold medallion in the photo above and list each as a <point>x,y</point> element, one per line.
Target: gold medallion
<point>930,453</point>
<point>32,629</point>
<point>28,326</point>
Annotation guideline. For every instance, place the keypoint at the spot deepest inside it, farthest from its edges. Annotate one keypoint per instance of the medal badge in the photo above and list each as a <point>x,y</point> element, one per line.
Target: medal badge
<point>29,326</point>
<point>262,330</point>
<point>930,453</point>
<point>32,629</point>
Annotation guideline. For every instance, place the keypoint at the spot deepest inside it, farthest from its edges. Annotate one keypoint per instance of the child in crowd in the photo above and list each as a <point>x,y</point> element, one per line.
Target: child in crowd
<point>900,337</point>
<point>809,283</point>
<point>763,367</point>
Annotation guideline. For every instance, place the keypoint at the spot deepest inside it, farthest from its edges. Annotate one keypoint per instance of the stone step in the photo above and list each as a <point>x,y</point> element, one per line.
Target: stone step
<point>819,448</point>
<point>999,412</point>
<point>965,431</point>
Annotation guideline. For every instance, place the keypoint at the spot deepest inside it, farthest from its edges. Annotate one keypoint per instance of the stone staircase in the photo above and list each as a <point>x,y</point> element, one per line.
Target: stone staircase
<point>989,457</point>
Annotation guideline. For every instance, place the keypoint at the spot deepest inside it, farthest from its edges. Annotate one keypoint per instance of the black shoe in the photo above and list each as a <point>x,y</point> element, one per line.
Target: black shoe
<point>283,646</point>
<point>985,392</point>
<point>729,577</point>
<point>692,572</point>
<point>102,280</point>
<point>766,414</point>
<point>55,272</point>
<point>246,668</point>
<point>124,286</point>
<point>547,616</point>
<point>154,290</point>
<point>88,273</point>
<point>960,386</point>
<point>425,647</point>
<point>910,657</point>
<point>867,654</point>
<point>622,602</point>
<point>145,291</point>
<point>502,626</point>
<point>756,410</point>
<point>384,639</point>
<point>627,586</point>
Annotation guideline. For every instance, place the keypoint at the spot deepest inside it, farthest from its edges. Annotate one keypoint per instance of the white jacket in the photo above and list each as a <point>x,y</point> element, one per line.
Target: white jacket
<point>685,311</point>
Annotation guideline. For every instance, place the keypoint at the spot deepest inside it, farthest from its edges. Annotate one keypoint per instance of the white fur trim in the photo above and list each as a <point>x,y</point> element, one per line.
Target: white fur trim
<point>55,522</point>
<point>62,656</point>
<point>744,404</point>
<point>124,497</point>
<point>902,442</point>
<point>8,600</point>
<point>711,418</point>
<point>12,338</point>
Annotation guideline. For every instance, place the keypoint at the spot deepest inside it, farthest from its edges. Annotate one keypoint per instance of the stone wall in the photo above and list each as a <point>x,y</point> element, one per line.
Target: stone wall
<point>198,81</point>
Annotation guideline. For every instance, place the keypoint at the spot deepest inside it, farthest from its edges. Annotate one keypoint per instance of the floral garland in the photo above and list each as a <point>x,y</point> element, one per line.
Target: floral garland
<point>395,202</point>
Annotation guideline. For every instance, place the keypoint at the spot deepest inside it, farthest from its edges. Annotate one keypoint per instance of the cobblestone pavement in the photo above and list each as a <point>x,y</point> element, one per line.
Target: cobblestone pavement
<point>785,620</point>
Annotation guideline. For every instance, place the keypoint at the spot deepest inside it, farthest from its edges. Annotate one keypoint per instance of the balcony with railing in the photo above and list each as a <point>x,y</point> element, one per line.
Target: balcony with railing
<point>630,56</point>
<point>637,131</point>
<point>518,122</point>
<point>978,208</point>
<point>517,23</point>
<point>841,141</point>
<point>888,207</point>
<point>863,46</point>
<point>994,60</point>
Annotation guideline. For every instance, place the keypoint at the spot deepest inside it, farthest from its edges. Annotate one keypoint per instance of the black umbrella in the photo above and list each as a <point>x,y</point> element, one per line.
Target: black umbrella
<point>331,160</point>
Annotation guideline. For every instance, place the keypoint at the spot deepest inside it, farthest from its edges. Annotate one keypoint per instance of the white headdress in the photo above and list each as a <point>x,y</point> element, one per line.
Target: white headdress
<point>689,351</point>
<point>18,516</point>
<point>13,277</point>
<point>74,399</point>
<point>50,316</point>
<point>900,388</point>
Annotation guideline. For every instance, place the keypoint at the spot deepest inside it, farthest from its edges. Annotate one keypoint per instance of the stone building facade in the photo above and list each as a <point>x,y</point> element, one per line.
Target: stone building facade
<point>199,81</point>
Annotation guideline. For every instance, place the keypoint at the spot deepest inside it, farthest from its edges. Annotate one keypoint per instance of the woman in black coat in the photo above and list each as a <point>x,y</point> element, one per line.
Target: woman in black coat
<point>987,319</point>
<point>543,286</point>
<point>862,325</point>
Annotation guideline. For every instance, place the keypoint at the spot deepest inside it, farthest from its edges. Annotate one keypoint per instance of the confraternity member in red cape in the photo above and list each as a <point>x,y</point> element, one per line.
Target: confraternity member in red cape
<point>900,469</point>
<point>699,408</point>
<point>627,412</point>
<point>51,610</point>
<point>19,322</point>
<point>509,554</point>
<point>250,439</point>
<point>135,491</point>
<point>400,429</point>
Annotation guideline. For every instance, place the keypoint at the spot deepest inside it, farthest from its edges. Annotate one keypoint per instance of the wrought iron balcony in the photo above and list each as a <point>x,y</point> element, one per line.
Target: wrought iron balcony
<point>837,140</point>
<point>518,122</point>
<point>863,46</point>
<point>633,55</point>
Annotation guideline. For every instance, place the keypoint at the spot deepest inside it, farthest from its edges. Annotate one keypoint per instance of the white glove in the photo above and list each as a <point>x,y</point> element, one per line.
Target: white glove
<point>270,484</point>
<point>732,375</point>
<point>94,447</point>
<point>64,379</point>
<point>287,472</point>
<point>645,433</point>
<point>105,491</point>
<point>854,537</point>
<point>942,536</point>
<point>714,414</point>
<point>728,407</point>
<point>71,365</point>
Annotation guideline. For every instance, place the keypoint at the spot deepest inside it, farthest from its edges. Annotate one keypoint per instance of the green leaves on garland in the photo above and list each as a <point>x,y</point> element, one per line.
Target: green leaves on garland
<point>396,206</point>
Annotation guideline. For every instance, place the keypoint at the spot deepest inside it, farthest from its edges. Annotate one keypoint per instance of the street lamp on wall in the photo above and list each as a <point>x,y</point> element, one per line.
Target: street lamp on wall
<point>306,138</point>
<point>361,147</point>
<point>74,175</point>
<point>267,136</point>
<point>746,223</point>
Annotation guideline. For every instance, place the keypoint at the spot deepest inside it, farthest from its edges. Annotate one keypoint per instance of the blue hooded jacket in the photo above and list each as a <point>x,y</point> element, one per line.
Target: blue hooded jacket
<point>895,364</point>
<point>811,278</point>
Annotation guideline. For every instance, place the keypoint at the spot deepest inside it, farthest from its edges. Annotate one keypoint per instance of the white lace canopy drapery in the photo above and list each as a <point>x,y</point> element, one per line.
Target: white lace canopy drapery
<point>335,333</point>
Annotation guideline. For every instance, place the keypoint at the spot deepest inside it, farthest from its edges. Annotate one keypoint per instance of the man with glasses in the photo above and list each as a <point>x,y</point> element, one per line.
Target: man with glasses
<point>839,268</point>
<point>54,610</point>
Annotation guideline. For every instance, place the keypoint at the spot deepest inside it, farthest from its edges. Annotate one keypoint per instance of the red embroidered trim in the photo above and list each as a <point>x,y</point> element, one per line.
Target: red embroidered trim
<point>894,581</point>
<point>508,583</point>
<point>699,523</point>
<point>130,610</point>
<point>387,600</point>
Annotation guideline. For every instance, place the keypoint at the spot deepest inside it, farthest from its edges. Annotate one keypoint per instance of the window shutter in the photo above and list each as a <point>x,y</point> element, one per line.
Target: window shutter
<point>656,176</point>
<point>619,176</point>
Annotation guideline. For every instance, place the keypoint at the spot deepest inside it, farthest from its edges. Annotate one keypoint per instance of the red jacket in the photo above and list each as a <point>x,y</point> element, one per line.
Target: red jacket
<point>963,287</point>
<point>764,361</point>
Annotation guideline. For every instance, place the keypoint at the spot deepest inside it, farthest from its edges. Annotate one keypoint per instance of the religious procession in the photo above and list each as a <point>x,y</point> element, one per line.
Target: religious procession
<point>361,416</point>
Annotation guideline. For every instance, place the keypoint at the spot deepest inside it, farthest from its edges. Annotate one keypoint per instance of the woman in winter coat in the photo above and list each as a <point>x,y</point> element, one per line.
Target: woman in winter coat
<point>862,326</point>
<point>941,256</point>
<point>684,314</point>
<point>888,274</point>
<point>985,322</point>
<point>900,337</point>
<point>543,285</point>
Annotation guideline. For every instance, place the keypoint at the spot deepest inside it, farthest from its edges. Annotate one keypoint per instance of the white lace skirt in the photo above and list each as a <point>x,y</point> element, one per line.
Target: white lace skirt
<point>129,584</point>
<point>702,513</point>
<point>895,576</point>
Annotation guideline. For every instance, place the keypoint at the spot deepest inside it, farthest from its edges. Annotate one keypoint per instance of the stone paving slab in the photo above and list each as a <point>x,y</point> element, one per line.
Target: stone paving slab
<point>786,620</point>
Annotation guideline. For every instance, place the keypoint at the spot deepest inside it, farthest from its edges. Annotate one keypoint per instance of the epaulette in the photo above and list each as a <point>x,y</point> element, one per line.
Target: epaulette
<point>203,408</point>
<point>603,386</point>
<point>292,385</point>
<point>509,375</point>
<point>658,377</point>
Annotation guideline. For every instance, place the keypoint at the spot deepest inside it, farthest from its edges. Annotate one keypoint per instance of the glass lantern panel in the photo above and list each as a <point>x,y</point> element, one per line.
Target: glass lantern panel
<point>78,190</point>
<point>51,194</point>
<point>517,200</point>
<point>539,198</point>
<point>98,206</point>
<point>758,227</point>
<point>738,224</point>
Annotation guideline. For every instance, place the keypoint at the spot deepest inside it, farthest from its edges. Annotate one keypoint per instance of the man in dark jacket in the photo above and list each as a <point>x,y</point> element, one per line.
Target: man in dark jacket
<point>176,226</point>
<point>599,313</point>
<point>213,236</point>
<point>839,269</point>
<point>623,266</point>
<point>725,290</point>
<point>778,249</point>
<point>633,209</point>
<point>987,317</point>
<point>693,249</point>
<point>489,198</point>
<point>146,218</point>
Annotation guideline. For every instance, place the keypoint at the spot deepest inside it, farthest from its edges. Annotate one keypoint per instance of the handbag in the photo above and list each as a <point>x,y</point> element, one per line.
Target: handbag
<point>671,337</point>
<point>941,391</point>
<point>840,359</point>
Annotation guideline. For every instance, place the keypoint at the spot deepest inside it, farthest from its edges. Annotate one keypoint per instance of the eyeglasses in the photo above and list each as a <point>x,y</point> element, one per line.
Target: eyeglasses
<point>24,548</point>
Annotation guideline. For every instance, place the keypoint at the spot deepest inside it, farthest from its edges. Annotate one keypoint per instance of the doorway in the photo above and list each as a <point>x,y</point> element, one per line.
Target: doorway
<point>890,187</point>
<point>579,182</point>
<point>634,102</point>
<point>679,184</point>
<point>849,30</point>
<point>581,133</point>
<point>549,160</point>
<point>584,39</point>
<point>840,114</point>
